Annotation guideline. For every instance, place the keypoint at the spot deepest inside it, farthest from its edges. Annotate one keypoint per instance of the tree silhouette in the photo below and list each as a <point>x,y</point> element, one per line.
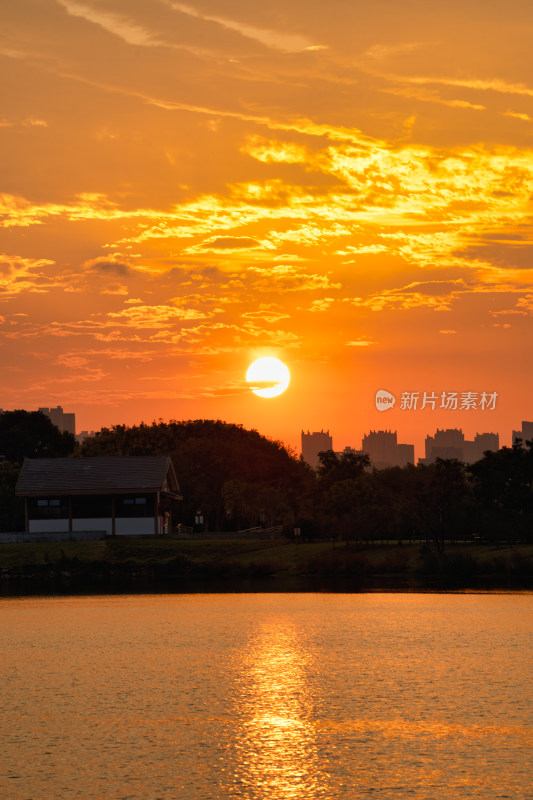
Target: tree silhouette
<point>207,455</point>
<point>31,434</point>
<point>503,487</point>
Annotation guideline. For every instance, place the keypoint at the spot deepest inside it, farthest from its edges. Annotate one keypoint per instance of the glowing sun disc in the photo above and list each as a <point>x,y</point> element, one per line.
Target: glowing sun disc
<point>268,377</point>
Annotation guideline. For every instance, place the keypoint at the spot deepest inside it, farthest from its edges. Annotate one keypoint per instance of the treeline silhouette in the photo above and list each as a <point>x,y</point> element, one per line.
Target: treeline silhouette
<point>240,479</point>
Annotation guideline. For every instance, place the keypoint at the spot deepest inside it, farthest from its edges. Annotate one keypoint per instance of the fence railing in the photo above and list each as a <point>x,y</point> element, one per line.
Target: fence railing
<point>185,529</point>
<point>257,532</point>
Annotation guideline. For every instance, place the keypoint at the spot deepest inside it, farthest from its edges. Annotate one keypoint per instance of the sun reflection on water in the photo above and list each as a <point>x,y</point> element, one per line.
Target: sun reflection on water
<point>276,749</point>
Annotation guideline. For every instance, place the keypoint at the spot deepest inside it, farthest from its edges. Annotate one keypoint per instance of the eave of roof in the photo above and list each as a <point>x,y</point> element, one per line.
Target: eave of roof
<point>99,475</point>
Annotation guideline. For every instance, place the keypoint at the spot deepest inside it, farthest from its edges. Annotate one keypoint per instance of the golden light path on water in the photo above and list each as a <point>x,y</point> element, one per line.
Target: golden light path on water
<point>256,696</point>
<point>276,747</point>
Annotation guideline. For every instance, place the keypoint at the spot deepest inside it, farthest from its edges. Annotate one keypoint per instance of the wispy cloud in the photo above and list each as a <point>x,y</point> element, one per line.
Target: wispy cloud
<point>518,115</point>
<point>492,84</point>
<point>116,24</point>
<point>275,39</point>
<point>428,96</point>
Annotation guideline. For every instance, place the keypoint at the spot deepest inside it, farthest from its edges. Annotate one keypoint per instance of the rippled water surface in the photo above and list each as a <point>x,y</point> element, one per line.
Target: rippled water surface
<point>204,697</point>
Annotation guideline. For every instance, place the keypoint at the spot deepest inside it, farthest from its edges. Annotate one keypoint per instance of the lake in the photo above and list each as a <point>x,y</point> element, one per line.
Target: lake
<point>256,696</point>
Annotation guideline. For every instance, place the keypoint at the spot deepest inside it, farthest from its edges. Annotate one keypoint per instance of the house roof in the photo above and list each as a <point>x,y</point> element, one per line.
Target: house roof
<point>99,475</point>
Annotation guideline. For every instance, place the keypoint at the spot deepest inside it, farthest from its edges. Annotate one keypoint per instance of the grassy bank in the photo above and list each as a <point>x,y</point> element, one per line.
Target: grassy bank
<point>152,564</point>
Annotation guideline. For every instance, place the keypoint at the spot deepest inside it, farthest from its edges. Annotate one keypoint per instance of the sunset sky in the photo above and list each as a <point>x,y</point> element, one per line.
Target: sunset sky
<point>346,186</point>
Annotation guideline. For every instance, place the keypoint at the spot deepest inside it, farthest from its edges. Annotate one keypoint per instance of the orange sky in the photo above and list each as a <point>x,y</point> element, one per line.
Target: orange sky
<point>346,186</point>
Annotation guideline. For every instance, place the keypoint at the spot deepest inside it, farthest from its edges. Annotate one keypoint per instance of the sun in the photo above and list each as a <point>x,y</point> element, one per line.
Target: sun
<point>268,377</point>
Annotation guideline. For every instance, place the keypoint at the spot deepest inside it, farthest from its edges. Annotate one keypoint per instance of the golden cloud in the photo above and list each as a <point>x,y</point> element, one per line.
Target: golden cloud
<point>222,243</point>
<point>393,193</point>
<point>153,316</point>
<point>288,278</point>
<point>437,295</point>
<point>18,274</point>
<point>266,315</point>
<point>360,343</point>
<point>321,305</point>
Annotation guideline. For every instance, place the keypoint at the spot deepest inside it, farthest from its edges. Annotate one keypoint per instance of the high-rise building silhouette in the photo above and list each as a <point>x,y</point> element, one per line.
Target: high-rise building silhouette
<point>474,451</point>
<point>446,443</point>
<point>451,443</point>
<point>313,444</point>
<point>384,450</point>
<point>64,421</point>
<point>526,434</point>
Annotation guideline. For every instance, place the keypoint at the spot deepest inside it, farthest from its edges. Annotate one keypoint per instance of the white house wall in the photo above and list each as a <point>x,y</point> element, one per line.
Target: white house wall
<point>134,526</point>
<point>103,524</point>
<point>124,526</point>
<point>48,525</point>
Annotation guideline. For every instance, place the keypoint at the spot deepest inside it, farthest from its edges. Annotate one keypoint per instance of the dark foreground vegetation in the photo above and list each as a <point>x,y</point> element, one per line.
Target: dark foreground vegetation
<point>460,525</point>
<point>149,564</point>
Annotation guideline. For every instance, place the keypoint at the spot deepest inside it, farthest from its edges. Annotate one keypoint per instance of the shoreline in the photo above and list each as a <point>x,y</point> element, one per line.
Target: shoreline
<point>22,589</point>
<point>144,565</point>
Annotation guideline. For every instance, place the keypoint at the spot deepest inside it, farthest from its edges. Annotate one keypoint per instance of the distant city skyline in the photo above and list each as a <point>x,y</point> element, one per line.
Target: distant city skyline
<point>378,441</point>
<point>384,449</point>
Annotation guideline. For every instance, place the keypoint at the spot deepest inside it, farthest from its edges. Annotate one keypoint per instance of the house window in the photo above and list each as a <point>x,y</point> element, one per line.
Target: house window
<point>135,506</point>
<point>48,508</point>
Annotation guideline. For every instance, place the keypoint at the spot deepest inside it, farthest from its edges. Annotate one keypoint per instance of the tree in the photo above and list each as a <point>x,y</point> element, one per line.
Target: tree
<point>503,482</point>
<point>443,497</point>
<point>332,468</point>
<point>343,493</point>
<point>11,507</point>
<point>254,505</point>
<point>31,434</point>
<point>392,514</point>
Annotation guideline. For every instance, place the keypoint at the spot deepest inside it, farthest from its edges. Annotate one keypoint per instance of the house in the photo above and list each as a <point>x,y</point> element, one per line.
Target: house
<point>126,495</point>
